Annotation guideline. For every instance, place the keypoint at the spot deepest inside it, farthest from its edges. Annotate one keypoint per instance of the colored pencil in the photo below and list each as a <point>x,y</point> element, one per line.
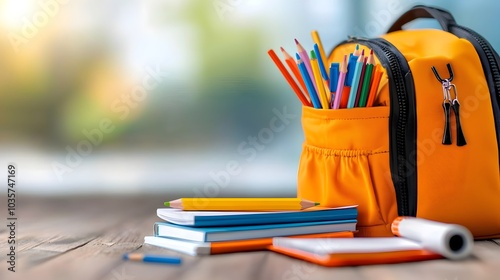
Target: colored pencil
<point>374,86</point>
<point>355,80</point>
<point>366,81</point>
<point>340,84</point>
<point>324,73</point>
<point>334,79</point>
<point>293,67</point>
<point>351,66</point>
<point>360,85</point>
<point>321,56</point>
<point>289,78</point>
<point>305,58</point>
<point>310,87</point>
<point>317,75</point>
<point>322,68</point>
<point>240,204</point>
<point>152,258</point>
<point>356,52</point>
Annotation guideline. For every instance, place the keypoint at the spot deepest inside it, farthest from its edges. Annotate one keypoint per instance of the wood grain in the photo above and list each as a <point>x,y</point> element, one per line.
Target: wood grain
<point>85,238</point>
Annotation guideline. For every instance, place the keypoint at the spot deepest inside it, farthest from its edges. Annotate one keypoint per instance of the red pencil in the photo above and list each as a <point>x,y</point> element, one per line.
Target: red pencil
<point>289,78</point>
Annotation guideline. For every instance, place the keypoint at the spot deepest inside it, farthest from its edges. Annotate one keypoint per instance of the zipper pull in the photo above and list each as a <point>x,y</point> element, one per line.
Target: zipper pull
<point>447,103</point>
<point>456,109</point>
<point>447,112</point>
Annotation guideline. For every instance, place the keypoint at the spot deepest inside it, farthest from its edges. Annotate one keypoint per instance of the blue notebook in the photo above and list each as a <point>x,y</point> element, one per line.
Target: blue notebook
<point>211,234</point>
<point>225,218</point>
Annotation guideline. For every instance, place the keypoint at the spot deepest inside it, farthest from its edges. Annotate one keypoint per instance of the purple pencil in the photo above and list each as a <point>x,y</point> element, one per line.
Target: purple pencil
<point>340,84</point>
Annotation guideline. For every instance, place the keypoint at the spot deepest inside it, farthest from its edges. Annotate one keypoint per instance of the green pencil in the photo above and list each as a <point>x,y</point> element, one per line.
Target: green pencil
<point>366,81</point>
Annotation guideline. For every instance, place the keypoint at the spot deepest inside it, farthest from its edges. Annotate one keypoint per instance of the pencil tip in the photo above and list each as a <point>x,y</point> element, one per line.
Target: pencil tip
<point>316,203</point>
<point>357,46</point>
<point>125,256</point>
<point>282,49</point>
<point>371,51</point>
<point>313,55</point>
<point>363,52</point>
<point>296,42</point>
<point>167,204</point>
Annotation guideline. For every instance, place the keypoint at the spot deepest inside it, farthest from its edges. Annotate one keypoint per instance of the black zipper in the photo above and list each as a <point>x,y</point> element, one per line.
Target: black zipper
<point>490,61</point>
<point>402,123</point>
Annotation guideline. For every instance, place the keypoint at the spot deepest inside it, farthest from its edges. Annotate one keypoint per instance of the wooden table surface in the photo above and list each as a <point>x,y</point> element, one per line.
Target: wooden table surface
<point>85,238</point>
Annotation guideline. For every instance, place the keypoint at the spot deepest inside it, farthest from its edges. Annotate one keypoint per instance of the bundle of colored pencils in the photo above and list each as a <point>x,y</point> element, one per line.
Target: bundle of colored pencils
<point>351,83</point>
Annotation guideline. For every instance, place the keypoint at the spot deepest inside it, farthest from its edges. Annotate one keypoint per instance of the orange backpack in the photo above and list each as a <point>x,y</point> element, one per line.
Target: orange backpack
<point>430,145</point>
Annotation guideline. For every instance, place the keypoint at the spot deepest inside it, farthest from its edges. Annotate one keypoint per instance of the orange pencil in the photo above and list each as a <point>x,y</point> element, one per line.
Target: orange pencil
<point>292,65</point>
<point>289,78</point>
<point>374,86</point>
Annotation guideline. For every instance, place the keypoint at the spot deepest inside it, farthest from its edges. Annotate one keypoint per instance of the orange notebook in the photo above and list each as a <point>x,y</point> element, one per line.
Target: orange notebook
<point>263,243</point>
<point>353,259</point>
<point>222,247</point>
<point>418,240</point>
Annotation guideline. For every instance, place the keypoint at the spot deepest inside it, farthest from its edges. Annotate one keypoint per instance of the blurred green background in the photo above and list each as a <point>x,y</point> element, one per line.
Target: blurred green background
<point>169,96</point>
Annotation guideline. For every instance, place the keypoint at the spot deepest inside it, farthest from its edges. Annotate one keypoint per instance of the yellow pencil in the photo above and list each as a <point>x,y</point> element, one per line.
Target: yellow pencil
<point>319,81</point>
<point>240,204</point>
<point>317,40</point>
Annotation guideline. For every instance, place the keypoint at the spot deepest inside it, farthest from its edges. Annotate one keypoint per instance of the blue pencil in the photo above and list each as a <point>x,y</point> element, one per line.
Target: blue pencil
<point>322,68</point>
<point>310,86</point>
<point>355,80</point>
<point>152,258</point>
<point>351,66</point>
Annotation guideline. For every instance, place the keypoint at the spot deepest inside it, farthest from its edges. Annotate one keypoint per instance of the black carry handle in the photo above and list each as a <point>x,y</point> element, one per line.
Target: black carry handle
<point>444,18</point>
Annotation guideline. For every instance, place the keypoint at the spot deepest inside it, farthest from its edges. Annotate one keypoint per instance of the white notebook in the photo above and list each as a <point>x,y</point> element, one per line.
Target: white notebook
<point>326,246</point>
<point>182,246</point>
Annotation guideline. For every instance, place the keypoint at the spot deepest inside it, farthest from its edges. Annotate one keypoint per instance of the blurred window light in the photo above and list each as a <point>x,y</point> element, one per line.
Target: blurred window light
<point>15,12</point>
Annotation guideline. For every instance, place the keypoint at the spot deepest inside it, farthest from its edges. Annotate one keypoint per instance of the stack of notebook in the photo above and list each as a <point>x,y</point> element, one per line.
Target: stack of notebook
<point>215,232</point>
